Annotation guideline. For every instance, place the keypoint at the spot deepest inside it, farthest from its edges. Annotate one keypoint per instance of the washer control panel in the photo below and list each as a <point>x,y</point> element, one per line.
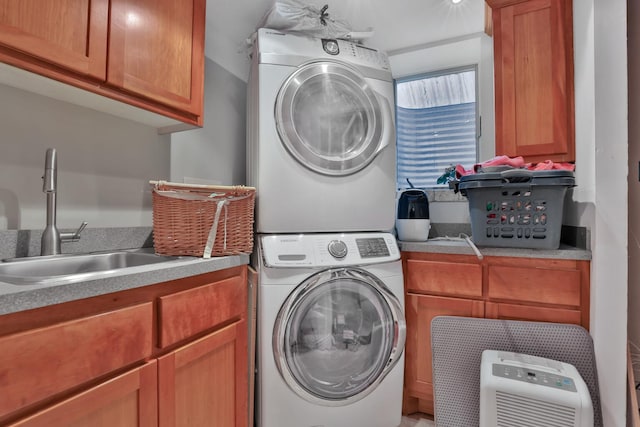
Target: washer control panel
<point>328,250</point>
<point>373,247</point>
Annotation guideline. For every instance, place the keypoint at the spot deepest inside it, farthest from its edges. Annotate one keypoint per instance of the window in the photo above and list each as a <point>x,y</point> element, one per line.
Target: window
<point>436,125</point>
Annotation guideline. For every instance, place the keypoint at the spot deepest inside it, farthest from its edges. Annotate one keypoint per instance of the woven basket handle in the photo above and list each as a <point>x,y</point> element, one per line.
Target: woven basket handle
<point>211,240</point>
<point>189,195</point>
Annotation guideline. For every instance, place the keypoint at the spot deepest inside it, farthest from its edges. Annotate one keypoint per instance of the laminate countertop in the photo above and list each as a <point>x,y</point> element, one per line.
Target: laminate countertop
<point>461,247</point>
<point>14,298</point>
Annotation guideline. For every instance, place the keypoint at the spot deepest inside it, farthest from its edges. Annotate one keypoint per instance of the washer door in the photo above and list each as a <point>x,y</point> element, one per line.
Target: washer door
<point>330,119</point>
<point>337,336</point>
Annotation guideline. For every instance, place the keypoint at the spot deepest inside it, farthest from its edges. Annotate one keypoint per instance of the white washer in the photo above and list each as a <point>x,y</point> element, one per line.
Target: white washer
<point>331,330</point>
<point>320,135</point>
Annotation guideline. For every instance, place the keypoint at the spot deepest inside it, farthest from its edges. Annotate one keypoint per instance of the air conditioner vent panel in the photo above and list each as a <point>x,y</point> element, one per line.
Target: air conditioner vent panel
<point>516,411</point>
<point>519,390</point>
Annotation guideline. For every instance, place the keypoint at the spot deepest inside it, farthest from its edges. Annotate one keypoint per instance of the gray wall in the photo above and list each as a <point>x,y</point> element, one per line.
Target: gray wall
<point>104,163</point>
<point>634,183</point>
<point>216,153</point>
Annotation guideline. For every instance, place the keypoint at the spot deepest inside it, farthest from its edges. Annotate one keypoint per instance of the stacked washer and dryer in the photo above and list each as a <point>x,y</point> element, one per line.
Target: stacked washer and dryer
<point>321,152</point>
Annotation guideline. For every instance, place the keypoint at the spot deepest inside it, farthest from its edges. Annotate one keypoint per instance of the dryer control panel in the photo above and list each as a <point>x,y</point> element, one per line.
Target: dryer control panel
<point>276,47</point>
<point>328,250</point>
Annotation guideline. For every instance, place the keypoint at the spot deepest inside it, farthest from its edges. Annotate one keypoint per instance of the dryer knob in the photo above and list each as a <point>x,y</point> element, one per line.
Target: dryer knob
<point>337,249</point>
<point>331,46</point>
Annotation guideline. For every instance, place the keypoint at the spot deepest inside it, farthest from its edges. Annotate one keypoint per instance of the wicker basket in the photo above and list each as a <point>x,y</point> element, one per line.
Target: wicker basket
<point>202,220</point>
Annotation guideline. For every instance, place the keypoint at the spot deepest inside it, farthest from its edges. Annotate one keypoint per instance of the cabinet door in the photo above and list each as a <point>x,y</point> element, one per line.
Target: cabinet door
<point>156,50</point>
<point>40,363</point>
<point>420,309</point>
<point>182,315</point>
<point>69,33</point>
<point>532,313</point>
<point>129,400</point>
<point>206,382</point>
<point>443,274</point>
<point>538,289</point>
<point>533,58</point>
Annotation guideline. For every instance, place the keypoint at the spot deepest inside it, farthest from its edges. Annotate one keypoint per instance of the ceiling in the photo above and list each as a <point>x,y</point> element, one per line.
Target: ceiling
<point>396,24</point>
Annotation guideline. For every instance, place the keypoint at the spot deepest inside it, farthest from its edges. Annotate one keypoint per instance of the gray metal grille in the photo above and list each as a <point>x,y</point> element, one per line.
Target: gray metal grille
<point>518,411</point>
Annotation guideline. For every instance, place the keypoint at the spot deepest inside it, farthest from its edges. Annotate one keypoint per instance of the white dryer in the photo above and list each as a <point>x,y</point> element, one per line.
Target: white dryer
<point>320,135</point>
<point>331,330</point>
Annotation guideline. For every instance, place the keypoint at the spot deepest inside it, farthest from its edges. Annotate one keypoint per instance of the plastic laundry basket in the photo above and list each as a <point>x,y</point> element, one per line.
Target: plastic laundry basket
<point>517,208</point>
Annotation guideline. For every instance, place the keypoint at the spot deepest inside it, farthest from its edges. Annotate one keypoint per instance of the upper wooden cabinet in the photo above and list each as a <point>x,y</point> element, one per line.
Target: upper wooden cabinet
<point>146,53</point>
<point>533,66</point>
<point>156,50</point>
<point>68,33</point>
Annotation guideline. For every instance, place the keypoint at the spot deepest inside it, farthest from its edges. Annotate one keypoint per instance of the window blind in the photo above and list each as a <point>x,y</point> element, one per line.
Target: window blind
<point>431,139</point>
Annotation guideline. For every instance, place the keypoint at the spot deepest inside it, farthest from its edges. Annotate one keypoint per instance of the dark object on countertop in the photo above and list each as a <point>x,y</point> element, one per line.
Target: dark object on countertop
<point>413,204</point>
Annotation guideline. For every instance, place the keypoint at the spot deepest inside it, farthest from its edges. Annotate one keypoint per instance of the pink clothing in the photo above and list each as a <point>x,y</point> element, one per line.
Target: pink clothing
<point>549,165</point>
<point>514,162</point>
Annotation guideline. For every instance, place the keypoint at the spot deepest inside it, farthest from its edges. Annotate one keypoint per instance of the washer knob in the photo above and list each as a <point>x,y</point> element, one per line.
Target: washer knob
<point>337,249</point>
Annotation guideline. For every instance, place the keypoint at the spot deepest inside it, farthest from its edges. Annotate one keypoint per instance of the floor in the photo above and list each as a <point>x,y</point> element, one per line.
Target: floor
<point>417,421</point>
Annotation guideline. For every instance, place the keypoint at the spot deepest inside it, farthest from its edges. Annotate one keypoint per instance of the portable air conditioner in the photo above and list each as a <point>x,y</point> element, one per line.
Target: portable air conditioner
<point>522,390</point>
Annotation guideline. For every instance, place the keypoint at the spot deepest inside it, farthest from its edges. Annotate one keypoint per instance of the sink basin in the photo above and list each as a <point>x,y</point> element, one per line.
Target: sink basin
<point>67,268</point>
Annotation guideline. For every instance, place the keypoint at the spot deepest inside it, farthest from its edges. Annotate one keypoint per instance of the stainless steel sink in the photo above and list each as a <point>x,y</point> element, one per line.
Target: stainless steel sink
<point>68,268</point>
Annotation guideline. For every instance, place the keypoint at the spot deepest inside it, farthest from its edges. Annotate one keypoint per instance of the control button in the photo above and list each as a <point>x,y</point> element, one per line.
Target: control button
<point>337,249</point>
<point>331,47</point>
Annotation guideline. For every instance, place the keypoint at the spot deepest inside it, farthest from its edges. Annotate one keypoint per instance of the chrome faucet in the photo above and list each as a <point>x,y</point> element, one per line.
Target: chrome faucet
<point>51,237</point>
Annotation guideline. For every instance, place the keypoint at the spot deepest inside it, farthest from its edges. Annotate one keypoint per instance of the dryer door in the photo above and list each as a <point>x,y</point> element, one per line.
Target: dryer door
<point>337,336</point>
<point>330,119</point>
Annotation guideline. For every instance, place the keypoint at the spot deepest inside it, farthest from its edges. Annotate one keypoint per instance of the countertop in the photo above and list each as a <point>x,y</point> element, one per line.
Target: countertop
<point>15,298</point>
<point>463,248</point>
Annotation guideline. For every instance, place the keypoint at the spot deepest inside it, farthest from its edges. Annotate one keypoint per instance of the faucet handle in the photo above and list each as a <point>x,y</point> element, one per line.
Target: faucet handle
<point>50,177</point>
<point>73,237</point>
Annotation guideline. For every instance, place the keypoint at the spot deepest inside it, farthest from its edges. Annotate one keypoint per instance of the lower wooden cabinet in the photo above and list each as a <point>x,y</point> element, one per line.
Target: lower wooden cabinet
<point>547,290</point>
<point>420,309</point>
<point>172,354</point>
<point>205,382</point>
<point>42,362</point>
<point>129,400</point>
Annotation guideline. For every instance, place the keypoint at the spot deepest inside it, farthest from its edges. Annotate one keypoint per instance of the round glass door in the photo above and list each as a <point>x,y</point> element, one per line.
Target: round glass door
<point>338,335</point>
<point>329,118</point>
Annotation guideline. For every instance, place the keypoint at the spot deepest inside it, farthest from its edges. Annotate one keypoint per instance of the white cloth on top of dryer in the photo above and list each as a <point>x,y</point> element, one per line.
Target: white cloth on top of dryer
<point>298,17</point>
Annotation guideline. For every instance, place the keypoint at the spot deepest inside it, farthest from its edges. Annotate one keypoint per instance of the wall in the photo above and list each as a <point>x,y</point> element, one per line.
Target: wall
<point>634,182</point>
<point>475,48</point>
<point>600,200</point>
<point>104,163</point>
<point>216,153</point>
